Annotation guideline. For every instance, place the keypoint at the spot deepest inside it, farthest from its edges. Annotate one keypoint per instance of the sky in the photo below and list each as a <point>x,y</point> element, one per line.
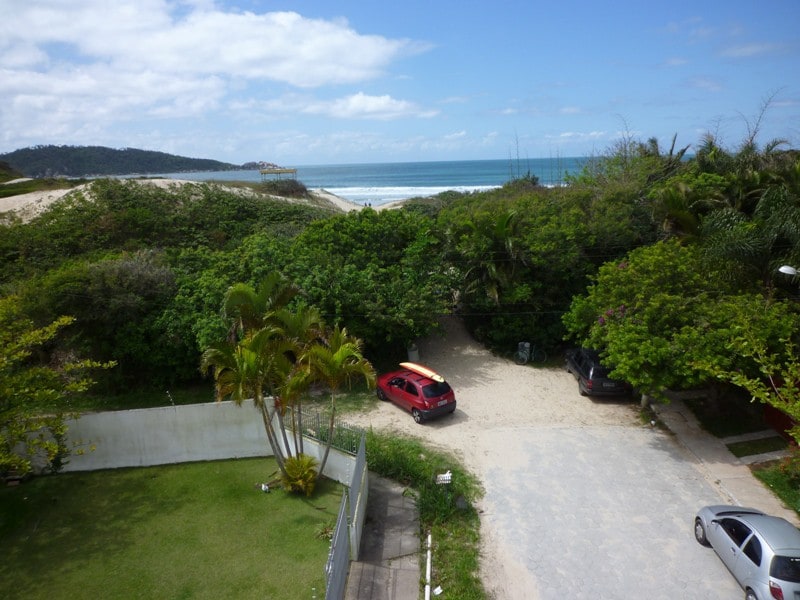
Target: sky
<point>333,82</point>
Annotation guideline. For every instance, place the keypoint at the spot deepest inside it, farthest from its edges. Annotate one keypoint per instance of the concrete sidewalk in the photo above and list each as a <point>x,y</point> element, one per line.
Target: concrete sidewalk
<point>730,475</point>
<point>388,568</point>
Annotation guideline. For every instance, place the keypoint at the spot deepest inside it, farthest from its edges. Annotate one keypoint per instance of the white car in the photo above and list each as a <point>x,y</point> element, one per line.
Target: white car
<point>761,551</point>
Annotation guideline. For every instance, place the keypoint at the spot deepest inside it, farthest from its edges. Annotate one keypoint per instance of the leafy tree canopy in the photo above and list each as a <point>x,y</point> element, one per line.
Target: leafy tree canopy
<point>376,272</point>
<point>34,394</point>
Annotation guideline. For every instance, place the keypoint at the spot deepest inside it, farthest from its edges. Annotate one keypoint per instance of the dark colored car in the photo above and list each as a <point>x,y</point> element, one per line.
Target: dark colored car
<point>761,551</point>
<point>417,389</point>
<point>592,375</point>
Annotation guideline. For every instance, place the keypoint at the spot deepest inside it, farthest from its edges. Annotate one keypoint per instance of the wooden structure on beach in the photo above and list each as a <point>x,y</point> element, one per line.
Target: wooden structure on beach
<point>278,171</point>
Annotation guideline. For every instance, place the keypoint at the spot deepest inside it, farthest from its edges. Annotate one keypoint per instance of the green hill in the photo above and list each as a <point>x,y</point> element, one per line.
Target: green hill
<point>82,161</point>
<point>7,173</point>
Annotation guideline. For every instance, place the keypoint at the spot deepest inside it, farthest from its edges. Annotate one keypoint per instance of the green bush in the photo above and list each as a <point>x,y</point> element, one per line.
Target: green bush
<point>301,474</point>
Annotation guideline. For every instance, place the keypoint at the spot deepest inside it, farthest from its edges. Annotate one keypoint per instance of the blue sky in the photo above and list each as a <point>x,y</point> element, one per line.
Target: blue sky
<point>326,82</point>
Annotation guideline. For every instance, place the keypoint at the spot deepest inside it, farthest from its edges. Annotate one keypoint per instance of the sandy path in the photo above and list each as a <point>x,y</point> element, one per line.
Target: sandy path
<point>28,206</point>
<point>495,398</point>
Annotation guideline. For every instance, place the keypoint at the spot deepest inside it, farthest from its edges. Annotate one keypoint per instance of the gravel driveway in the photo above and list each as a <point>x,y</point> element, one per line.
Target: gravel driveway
<point>582,500</point>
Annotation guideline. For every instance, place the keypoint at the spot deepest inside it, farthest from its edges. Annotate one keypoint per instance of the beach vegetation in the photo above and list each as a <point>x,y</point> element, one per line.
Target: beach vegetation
<point>663,261</point>
<point>285,188</point>
<point>705,306</point>
<point>379,273</point>
<point>145,270</point>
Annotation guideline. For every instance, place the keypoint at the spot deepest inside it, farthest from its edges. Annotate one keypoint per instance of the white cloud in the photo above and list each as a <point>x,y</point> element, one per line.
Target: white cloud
<point>704,83</point>
<point>749,50</point>
<point>363,106</point>
<point>580,135</point>
<point>455,100</point>
<point>91,65</point>
<point>149,35</point>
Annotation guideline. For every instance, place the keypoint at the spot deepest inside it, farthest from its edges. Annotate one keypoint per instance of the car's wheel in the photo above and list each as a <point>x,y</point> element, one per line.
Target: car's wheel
<point>700,533</point>
<point>381,395</point>
<point>750,595</point>
<point>582,391</point>
<point>417,415</point>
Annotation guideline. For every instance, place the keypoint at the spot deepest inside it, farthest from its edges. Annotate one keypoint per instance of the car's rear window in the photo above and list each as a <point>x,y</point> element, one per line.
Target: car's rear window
<point>600,372</point>
<point>785,568</point>
<point>436,389</point>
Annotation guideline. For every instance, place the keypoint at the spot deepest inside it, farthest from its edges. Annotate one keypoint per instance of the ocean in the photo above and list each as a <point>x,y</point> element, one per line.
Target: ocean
<point>380,183</point>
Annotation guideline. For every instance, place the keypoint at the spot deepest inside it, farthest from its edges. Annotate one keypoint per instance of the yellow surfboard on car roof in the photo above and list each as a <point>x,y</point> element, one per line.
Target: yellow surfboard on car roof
<point>422,370</point>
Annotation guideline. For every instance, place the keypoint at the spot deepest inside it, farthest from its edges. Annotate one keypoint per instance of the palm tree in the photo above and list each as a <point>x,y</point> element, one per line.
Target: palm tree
<point>336,361</point>
<point>258,357</point>
<point>273,353</point>
<point>302,328</point>
<point>254,367</point>
<point>500,255</point>
<point>248,308</point>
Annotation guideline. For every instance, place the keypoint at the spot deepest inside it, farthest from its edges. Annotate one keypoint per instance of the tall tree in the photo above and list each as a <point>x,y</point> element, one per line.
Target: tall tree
<point>302,328</point>
<point>337,361</point>
<point>34,397</point>
<point>254,367</point>
<point>273,354</point>
<point>768,339</point>
<point>248,309</point>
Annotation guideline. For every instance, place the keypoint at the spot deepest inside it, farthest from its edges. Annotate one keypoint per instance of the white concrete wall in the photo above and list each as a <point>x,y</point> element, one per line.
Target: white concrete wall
<point>175,434</point>
<point>154,436</point>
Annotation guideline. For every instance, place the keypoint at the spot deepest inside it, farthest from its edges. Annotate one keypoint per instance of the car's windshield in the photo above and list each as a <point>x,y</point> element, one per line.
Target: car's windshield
<point>786,568</point>
<point>435,389</point>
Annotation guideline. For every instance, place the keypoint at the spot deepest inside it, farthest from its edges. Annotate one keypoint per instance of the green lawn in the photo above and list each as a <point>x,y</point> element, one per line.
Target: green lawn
<point>198,530</point>
<point>759,446</point>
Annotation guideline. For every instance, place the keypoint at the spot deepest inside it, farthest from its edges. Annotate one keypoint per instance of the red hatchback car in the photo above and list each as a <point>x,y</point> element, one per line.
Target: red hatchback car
<point>419,390</point>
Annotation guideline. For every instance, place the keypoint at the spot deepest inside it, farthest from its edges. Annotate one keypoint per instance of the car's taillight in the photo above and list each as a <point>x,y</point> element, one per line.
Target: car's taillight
<point>775,590</point>
<point>589,384</point>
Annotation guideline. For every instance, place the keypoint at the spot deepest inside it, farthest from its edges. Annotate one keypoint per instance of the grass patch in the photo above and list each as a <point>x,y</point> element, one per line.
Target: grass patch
<point>446,511</point>
<point>197,530</point>
<point>358,399</point>
<point>785,487</point>
<point>759,446</point>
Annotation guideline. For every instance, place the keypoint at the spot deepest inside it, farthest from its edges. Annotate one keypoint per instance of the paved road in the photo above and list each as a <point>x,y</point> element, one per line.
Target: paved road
<point>603,512</point>
<point>581,500</point>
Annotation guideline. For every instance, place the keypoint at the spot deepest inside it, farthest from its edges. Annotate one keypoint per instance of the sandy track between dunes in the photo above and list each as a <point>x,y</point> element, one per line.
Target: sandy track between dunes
<point>28,206</point>
<point>495,397</point>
